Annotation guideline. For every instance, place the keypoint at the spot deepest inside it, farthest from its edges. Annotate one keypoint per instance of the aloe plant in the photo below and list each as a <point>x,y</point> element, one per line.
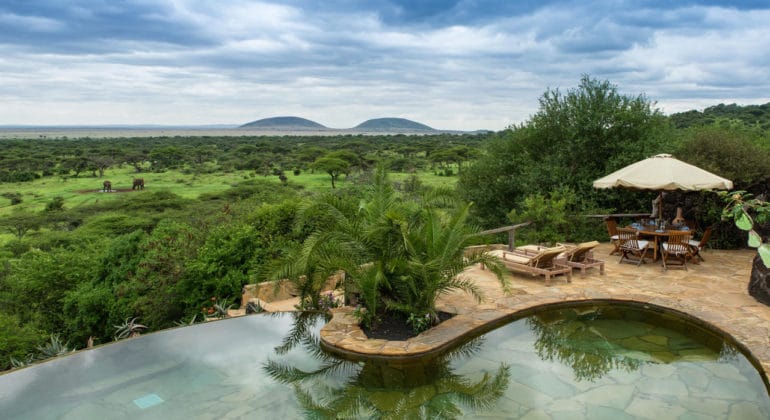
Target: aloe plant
<point>19,363</point>
<point>129,328</point>
<point>254,308</point>
<point>740,207</point>
<point>221,307</point>
<point>54,347</point>
<point>183,323</point>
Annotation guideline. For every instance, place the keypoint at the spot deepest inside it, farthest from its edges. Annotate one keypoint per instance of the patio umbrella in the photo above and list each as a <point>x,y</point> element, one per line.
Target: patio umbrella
<point>663,173</point>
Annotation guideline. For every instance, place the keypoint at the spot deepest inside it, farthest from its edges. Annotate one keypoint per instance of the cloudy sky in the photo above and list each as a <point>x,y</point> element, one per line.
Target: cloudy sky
<point>464,64</point>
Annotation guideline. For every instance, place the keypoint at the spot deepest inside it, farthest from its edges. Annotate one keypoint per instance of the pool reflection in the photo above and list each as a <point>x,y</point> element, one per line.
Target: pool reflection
<point>427,388</point>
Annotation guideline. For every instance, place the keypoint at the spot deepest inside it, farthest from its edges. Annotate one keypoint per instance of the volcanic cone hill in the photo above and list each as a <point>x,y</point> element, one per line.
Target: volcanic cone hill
<point>392,125</point>
<point>284,124</point>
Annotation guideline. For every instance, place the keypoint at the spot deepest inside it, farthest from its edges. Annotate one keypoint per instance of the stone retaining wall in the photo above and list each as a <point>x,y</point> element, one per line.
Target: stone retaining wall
<point>268,292</point>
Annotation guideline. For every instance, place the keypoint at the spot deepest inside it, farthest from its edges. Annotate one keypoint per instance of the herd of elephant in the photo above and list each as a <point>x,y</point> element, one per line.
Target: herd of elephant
<point>138,184</point>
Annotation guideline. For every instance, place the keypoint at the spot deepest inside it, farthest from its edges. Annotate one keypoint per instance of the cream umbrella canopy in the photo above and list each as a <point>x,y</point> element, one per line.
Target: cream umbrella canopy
<point>663,173</point>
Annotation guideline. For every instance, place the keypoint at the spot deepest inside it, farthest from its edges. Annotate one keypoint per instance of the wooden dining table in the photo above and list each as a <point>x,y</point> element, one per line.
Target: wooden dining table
<point>657,235</point>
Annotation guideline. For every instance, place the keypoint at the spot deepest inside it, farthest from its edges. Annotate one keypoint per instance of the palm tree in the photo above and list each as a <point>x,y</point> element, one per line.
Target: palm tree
<point>435,262</point>
<point>398,255</point>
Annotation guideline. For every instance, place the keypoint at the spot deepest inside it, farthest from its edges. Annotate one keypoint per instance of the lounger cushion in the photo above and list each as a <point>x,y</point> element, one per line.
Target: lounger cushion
<point>517,258</point>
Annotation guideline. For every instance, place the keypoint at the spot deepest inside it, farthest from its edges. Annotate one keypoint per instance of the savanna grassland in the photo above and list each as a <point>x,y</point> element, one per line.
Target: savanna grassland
<point>219,212</point>
<point>87,189</point>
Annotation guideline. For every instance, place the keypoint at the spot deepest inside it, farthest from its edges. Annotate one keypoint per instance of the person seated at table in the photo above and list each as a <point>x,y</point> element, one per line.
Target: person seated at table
<point>656,203</point>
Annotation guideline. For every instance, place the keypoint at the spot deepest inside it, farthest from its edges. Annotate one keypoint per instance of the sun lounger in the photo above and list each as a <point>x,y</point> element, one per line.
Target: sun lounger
<point>536,261</point>
<point>581,256</point>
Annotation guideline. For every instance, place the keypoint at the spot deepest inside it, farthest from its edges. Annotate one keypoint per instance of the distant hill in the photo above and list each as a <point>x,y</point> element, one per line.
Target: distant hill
<point>284,124</point>
<point>391,124</point>
<point>750,115</point>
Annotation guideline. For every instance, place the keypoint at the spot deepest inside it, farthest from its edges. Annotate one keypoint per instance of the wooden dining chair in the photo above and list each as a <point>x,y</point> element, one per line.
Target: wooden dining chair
<point>697,246</point>
<point>630,244</point>
<point>677,246</point>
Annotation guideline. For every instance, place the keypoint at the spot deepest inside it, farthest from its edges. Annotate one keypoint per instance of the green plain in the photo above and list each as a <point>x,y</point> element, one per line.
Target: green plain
<point>86,190</point>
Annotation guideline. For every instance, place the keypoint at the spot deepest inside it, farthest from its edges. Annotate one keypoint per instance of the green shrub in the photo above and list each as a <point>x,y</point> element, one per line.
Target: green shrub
<point>15,197</point>
<point>556,218</point>
<point>277,221</point>
<point>17,340</point>
<point>222,266</point>
<point>38,282</point>
<point>90,312</point>
<point>98,303</point>
<point>259,190</point>
<point>56,204</point>
<point>17,247</point>
<point>151,292</point>
<point>111,224</point>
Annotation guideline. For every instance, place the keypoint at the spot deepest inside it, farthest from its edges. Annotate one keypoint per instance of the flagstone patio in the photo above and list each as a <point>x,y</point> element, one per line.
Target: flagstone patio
<point>713,291</point>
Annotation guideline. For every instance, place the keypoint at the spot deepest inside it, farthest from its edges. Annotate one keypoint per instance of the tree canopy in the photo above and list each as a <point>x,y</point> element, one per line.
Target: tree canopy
<point>574,138</point>
<point>747,115</point>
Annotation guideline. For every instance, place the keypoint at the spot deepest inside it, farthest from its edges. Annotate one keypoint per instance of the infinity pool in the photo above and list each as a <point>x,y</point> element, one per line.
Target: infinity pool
<point>596,362</point>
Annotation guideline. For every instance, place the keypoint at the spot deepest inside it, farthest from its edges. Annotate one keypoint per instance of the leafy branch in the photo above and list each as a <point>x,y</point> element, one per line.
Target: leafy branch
<point>740,208</point>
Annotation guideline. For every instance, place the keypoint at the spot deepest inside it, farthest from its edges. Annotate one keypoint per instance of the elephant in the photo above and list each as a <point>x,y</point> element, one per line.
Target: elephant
<point>107,186</point>
<point>138,184</point>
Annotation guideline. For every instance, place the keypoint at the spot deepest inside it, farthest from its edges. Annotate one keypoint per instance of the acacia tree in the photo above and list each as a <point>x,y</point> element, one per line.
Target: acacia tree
<point>574,138</point>
<point>76,164</point>
<point>21,222</point>
<point>135,159</point>
<point>332,166</point>
<point>168,157</point>
<point>101,163</point>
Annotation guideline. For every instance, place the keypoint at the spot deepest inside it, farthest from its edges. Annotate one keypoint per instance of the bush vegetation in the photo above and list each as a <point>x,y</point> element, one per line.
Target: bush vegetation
<point>215,214</point>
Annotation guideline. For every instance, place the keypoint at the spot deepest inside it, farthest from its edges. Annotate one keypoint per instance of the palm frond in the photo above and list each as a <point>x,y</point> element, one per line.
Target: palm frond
<point>300,330</point>
<point>464,350</point>
<point>480,394</point>
<point>310,407</point>
<point>284,373</point>
<point>352,403</point>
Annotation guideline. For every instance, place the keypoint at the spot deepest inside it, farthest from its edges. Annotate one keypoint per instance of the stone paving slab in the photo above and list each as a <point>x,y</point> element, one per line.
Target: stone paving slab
<point>713,291</point>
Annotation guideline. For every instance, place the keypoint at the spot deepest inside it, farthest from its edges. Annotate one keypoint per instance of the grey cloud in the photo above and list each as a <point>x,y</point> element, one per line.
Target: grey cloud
<point>455,67</point>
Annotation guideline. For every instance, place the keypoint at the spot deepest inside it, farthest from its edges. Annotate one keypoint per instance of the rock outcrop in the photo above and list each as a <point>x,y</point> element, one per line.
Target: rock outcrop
<point>759,284</point>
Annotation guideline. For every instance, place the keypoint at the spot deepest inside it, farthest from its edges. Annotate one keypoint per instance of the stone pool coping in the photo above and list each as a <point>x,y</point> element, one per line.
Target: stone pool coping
<point>713,292</point>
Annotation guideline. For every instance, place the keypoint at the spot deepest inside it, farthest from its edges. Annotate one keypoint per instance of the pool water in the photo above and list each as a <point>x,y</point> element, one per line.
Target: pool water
<point>594,362</point>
